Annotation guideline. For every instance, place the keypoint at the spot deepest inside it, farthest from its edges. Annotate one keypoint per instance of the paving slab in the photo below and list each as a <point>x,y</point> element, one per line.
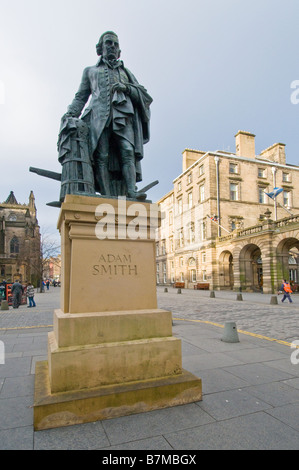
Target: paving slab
<point>258,373</point>
<point>288,414</point>
<point>275,393</point>
<point>154,423</point>
<point>18,387</point>
<point>256,431</point>
<point>86,436</point>
<point>17,438</point>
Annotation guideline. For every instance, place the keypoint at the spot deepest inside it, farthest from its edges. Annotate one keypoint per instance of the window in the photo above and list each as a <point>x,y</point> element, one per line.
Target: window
<point>12,217</point>
<point>286,177</point>
<point>203,257</point>
<point>171,244</point>
<point>204,275</point>
<point>170,218</point>
<point>234,191</point>
<point>201,193</point>
<point>180,206</point>
<point>179,186</point>
<point>163,247</point>
<point>164,267</point>
<point>201,170</point>
<point>262,196</point>
<point>233,225</point>
<point>191,233</point>
<point>190,199</point>
<point>181,238</point>
<point>189,178</point>
<point>193,275</point>
<point>233,168</point>
<point>287,198</point>
<point>157,249</point>
<point>203,230</point>
<point>261,172</point>
<point>182,277</point>
<point>292,259</point>
<point>181,261</point>
<point>293,275</point>
<point>14,245</point>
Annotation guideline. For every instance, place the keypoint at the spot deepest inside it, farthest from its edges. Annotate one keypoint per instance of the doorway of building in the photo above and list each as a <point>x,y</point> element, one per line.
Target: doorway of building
<point>251,268</point>
<point>226,270</point>
<point>287,261</point>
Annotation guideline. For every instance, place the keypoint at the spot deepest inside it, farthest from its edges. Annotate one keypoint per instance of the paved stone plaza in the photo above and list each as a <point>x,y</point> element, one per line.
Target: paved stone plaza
<point>250,388</point>
<point>254,313</point>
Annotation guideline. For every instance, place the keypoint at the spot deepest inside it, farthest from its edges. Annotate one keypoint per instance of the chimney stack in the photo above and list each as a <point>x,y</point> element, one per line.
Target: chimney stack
<point>245,144</point>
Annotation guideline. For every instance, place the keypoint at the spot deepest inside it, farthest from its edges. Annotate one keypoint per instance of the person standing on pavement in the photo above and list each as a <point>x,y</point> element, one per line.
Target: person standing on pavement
<point>17,290</point>
<point>30,295</point>
<point>286,290</point>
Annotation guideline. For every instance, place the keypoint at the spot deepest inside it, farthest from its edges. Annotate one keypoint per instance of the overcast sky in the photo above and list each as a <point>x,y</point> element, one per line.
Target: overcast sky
<point>213,67</point>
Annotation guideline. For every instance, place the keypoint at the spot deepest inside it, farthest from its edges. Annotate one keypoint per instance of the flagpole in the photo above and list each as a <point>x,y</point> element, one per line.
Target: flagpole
<point>285,208</point>
<point>218,224</point>
<point>274,169</point>
<point>276,202</point>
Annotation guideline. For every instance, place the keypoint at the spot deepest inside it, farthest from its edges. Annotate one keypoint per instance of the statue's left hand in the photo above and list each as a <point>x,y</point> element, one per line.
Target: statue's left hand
<point>119,87</point>
<point>66,116</point>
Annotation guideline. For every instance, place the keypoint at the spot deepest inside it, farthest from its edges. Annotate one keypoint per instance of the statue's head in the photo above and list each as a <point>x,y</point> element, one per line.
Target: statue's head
<point>108,46</point>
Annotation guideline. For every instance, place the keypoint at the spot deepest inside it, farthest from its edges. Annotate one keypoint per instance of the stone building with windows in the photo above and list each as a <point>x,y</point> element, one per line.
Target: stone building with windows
<point>220,227</point>
<point>52,268</point>
<point>19,240</point>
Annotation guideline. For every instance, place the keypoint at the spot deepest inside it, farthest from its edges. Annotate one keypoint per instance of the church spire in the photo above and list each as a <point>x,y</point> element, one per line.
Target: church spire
<point>11,199</point>
<point>32,206</point>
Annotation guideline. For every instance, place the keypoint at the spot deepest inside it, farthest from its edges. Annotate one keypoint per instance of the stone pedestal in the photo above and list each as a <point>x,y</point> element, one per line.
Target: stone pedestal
<point>111,352</point>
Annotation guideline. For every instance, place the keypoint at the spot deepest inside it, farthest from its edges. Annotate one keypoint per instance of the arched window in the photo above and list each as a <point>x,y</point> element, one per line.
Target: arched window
<point>12,217</point>
<point>14,245</point>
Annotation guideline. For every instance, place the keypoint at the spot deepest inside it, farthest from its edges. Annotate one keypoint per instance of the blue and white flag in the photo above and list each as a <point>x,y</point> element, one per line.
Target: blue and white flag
<point>274,193</point>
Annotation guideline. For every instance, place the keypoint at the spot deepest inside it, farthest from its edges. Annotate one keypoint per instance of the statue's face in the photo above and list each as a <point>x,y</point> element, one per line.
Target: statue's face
<point>111,47</point>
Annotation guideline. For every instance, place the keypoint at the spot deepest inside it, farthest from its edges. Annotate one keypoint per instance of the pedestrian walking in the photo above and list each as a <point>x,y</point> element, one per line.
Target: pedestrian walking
<point>17,290</point>
<point>286,290</point>
<point>30,295</point>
